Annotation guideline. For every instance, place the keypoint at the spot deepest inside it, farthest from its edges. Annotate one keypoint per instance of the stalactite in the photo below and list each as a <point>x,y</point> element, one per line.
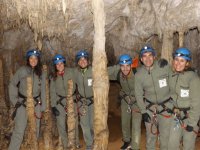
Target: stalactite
<point>167,46</point>
<point>35,35</point>
<point>71,120</point>
<point>100,78</point>
<point>39,44</point>
<point>64,6</point>
<point>29,19</point>
<point>181,38</point>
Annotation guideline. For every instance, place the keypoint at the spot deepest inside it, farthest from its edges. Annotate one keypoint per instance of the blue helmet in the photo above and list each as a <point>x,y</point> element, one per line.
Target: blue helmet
<point>147,49</point>
<point>32,52</point>
<point>125,59</point>
<point>183,52</point>
<point>81,53</point>
<point>58,58</point>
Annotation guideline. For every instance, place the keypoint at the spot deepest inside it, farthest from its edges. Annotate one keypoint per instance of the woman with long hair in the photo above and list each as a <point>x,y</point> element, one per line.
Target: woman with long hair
<point>184,87</point>
<point>18,96</point>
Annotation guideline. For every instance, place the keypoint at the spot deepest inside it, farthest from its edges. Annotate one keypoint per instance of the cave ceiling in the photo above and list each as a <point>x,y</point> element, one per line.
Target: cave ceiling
<point>68,24</point>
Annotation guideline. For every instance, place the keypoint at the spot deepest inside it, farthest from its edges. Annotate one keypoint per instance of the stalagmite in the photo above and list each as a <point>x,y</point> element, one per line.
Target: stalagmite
<point>48,137</point>
<point>100,77</point>
<point>60,146</point>
<point>2,94</point>
<point>71,120</point>
<point>31,125</point>
<point>167,46</point>
<point>181,38</point>
<point>3,108</point>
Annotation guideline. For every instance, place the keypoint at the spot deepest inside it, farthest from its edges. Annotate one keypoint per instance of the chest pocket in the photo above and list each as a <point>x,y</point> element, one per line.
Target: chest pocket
<point>162,81</point>
<point>89,81</point>
<point>184,92</point>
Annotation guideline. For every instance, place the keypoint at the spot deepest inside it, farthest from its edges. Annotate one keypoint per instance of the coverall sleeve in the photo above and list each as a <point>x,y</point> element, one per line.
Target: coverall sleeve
<point>52,93</point>
<point>139,92</point>
<point>43,90</point>
<point>113,72</point>
<point>13,89</point>
<point>194,112</point>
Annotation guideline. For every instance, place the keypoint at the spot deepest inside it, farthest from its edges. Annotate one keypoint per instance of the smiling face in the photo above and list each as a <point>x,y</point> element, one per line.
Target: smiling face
<point>83,62</point>
<point>33,61</point>
<point>60,66</point>
<point>125,68</point>
<point>148,59</point>
<point>179,64</point>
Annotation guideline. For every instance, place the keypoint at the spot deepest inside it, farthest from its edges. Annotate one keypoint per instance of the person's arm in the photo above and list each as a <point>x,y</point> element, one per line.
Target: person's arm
<point>52,91</point>
<point>139,92</point>
<point>113,72</point>
<point>194,94</point>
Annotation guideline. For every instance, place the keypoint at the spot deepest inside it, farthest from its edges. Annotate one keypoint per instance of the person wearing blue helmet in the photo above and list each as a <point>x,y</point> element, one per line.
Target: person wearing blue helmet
<point>18,96</point>
<point>184,87</point>
<point>84,94</point>
<point>153,97</point>
<point>58,97</point>
<point>130,115</point>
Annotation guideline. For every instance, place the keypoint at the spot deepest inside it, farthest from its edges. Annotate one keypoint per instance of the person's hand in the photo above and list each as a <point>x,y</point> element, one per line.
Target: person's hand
<point>146,117</point>
<point>55,111</point>
<point>18,104</point>
<point>189,128</point>
<point>162,62</point>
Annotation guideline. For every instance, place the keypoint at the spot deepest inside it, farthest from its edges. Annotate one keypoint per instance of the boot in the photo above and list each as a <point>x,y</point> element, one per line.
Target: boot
<point>125,146</point>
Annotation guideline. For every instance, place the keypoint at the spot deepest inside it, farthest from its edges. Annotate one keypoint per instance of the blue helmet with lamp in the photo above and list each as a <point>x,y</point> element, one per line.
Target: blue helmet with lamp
<point>147,49</point>
<point>125,59</point>
<point>183,52</point>
<point>58,58</point>
<point>32,52</point>
<point>81,53</point>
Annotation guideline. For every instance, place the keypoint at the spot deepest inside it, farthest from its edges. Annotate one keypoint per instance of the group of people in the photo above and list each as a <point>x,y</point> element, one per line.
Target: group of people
<point>164,96</point>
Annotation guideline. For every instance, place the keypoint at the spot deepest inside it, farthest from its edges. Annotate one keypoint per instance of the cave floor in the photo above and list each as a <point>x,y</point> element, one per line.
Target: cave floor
<point>114,124</point>
<point>115,135</point>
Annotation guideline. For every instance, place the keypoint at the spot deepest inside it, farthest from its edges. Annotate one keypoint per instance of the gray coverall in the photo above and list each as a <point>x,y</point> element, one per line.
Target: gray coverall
<point>83,80</point>
<point>185,93</point>
<point>18,93</point>
<point>130,114</point>
<point>152,91</point>
<point>58,94</point>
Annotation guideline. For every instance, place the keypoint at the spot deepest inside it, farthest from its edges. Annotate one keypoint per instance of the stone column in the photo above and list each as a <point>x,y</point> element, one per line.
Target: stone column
<point>100,78</point>
<point>48,137</point>
<point>167,47</point>
<point>181,38</point>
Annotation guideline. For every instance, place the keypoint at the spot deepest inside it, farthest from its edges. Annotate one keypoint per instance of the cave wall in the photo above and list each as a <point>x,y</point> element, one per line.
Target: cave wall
<point>66,26</point>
